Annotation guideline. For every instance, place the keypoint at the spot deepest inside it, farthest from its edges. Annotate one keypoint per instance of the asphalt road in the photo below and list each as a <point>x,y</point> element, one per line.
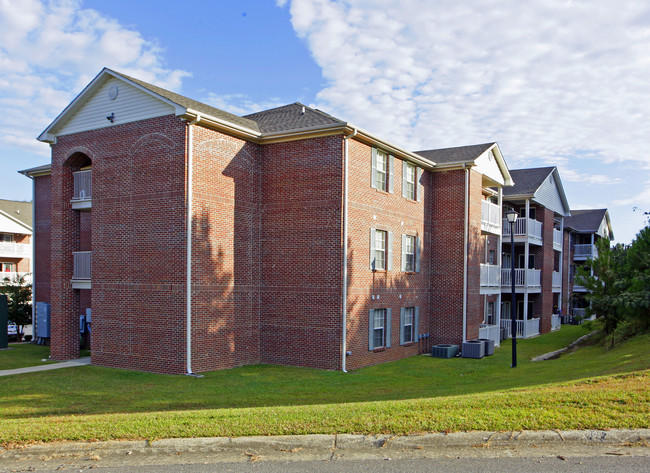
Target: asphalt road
<point>617,464</point>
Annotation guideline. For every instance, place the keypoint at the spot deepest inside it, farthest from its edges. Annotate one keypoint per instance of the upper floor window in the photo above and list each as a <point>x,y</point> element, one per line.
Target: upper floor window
<point>6,237</point>
<point>410,253</point>
<point>531,212</point>
<point>411,176</point>
<point>381,253</point>
<point>492,257</point>
<point>382,170</point>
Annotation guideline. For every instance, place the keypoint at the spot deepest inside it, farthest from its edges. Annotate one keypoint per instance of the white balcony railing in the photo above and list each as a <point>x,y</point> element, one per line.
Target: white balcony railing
<point>525,328</point>
<point>490,217</point>
<point>523,277</point>
<point>81,265</point>
<point>491,332</point>
<point>583,252</point>
<point>13,276</point>
<point>557,239</point>
<point>15,250</point>
<point>490,275</point>
<point>579,313</point>
<point>556,323</point>
<point>524,227</point>
<point>83,189</point>
<point>557,280</point>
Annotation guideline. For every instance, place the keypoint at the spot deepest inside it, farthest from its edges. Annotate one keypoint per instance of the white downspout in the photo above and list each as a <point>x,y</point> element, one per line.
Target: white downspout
<point>465,241</point>
<point>188,282</point>
<point>344,276</point>
<point>500,259</point>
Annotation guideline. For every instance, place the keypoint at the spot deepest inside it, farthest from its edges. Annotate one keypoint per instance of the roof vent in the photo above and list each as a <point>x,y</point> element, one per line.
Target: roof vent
<point>303,110</point>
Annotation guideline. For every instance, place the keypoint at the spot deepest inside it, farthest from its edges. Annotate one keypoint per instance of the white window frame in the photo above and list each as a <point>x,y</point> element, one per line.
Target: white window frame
<point>409,180</point>
<point>490,316</point>
<point>492,257</point>
<point>415,255</point>
<point>381,243</point>
<point>382,175</point>
<point>7,238</point>
<point>409,325</point>
<point>379,320</point>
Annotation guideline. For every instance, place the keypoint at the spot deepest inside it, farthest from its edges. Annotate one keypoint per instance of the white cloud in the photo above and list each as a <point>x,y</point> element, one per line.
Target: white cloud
<point>50,50</point>
<point>550,80</point>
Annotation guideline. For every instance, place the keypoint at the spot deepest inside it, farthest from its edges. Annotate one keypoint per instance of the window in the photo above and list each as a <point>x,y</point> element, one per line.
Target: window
<point>531,261</point>
<point>7,267</point>
<point>408,180</point>
<point>410,254</point>
<point>381,252</point>
<point>492,257</point>
<point>408,325</point>
<point>382,170</point>
<point>490,319</point>
<point>379,328</point>
<point>520,310</point>
<point>531,212</point>
<point>6,237</point>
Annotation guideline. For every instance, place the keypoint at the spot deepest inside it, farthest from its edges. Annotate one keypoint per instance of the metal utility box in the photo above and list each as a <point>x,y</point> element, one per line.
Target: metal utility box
<point>42,320</point>
<point>473,349</point>
<point>444,351</point>
<point>488,346</point>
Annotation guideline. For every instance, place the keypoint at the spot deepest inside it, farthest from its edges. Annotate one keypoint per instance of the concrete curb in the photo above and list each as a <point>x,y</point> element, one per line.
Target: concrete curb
<point>328,447</point>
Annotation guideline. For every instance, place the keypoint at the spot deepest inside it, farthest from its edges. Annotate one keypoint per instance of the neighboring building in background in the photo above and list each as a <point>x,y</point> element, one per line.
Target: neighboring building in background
<point>15,239</point>
<point>538,196</point>
<point>585,228</point>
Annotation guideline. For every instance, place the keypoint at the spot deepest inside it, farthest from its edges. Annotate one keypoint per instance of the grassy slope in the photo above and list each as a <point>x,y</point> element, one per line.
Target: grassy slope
<point>423,394</point>
<point>21,355</point>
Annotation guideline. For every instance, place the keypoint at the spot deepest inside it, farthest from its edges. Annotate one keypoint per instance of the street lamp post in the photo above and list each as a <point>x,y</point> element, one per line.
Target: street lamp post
<point>511,215</point>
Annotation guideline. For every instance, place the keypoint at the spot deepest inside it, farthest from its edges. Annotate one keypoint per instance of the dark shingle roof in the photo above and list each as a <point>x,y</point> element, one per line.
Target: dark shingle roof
<point>461,154</point>
<point>194,105</point>
<point>527,181</point>
<point>21,211</point>
<point>291,117</point>
<point>585,220</point>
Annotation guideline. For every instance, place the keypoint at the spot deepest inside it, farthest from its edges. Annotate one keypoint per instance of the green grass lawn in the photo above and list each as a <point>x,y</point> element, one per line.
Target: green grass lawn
<point>590,388</point>
<point>21,355</point>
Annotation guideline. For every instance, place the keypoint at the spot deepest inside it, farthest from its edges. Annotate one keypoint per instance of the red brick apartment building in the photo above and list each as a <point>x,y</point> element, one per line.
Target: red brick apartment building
<point>15,240</point>
<point>311,242</point>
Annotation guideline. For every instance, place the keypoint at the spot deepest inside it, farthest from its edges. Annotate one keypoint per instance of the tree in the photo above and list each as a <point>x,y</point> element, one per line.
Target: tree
<point>634,297</point>
<point>19,306</point>
<point>601,286</point>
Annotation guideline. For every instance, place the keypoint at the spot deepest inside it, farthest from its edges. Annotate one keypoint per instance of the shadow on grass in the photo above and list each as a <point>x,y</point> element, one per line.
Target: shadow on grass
<point>97,390</point>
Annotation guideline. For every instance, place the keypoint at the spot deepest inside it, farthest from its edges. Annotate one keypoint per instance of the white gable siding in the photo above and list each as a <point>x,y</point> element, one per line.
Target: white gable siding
<point>548,195</point>
<point>9,226</point>
<point>487,165</point>
<point>130,105</point>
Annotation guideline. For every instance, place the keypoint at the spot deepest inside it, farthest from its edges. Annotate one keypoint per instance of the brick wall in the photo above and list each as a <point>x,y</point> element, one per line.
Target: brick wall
<point>225,251</point>
<point>300,320</point>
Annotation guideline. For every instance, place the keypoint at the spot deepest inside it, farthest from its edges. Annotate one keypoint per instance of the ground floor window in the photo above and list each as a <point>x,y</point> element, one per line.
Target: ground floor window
<point>379,328</point>
<point>490,317</point>
<point>408,325</point>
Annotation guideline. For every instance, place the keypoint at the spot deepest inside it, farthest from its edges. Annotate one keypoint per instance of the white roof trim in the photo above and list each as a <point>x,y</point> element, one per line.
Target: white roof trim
<point>15,220</point>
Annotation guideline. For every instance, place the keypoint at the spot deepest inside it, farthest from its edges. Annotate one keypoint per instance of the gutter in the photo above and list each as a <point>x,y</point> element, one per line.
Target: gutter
<point>188,282</point>
<point>344,275</point>
<point>465,256</point>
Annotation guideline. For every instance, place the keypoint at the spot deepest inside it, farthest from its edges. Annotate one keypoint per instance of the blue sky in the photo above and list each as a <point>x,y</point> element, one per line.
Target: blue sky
<point>554,82</point>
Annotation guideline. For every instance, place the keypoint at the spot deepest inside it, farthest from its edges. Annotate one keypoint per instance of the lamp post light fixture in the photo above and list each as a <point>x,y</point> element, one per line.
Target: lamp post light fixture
<point>511,215</point>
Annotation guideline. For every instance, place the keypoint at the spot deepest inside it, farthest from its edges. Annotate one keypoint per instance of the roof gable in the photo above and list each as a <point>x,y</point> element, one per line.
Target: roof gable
<point>486,157</point>
<point>543,185</point>
<point>591,221</point>
<point>112,98</point>
<point>15,217</point>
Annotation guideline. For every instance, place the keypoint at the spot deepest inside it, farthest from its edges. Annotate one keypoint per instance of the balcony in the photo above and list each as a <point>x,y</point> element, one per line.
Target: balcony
<point>526,229</point>
<point>83,190</point>
<point>556,322</point>
<point>525,328</point>
<point>557,240</point>
<point>490,276</point>
<point>531,278</point>
<point>490,218</point>
<point>490,332</point>
<point>15,250</point>
<point>12,276</point>
<point>585,252</point>
<point>557,281</point>
<point>81,272</point>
